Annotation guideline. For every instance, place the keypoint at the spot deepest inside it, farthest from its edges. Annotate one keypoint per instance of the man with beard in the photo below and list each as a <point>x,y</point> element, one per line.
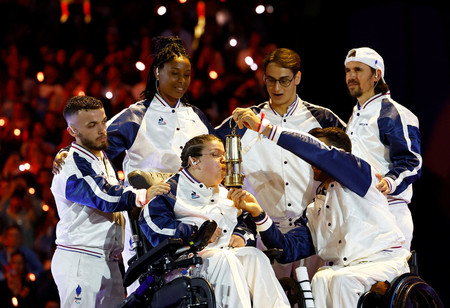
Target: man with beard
<point>384,133</point>
<point>90,201</point>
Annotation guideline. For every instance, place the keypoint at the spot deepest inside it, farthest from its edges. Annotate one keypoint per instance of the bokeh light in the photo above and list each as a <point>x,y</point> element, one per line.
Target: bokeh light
<point>121,175</point>
<point>260,9</point>
<point>140,66</point>
<point>40,76</point>
<point>161,10</point>
<point>213,75</point>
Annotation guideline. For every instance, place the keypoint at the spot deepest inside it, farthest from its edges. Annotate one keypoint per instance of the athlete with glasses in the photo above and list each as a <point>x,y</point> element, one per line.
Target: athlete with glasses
<point>281,182</point>
<point>240,273</point>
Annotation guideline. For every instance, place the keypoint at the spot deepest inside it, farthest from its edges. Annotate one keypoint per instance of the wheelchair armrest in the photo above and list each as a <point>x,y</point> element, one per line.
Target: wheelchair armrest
<point>168,246</point>
<point>201,238</point>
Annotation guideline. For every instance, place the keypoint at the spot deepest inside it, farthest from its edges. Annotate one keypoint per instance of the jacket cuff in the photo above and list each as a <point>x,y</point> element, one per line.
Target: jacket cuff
<point>391,184</point>
<point>262,222</point>
<point>141,197</point>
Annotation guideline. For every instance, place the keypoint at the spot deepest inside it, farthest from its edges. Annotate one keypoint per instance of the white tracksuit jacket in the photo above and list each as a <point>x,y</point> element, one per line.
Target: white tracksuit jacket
<point>387,136</point>
<point>87,195</point>
<point>153,134</point>
<point>281,181</point>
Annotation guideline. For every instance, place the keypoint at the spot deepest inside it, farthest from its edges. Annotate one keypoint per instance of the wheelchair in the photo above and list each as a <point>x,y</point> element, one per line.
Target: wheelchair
<point>407,290</point>
<point>154,267</point>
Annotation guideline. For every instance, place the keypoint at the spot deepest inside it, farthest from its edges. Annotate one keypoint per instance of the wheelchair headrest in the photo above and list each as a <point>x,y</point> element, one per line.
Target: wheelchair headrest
<point>145,179</point>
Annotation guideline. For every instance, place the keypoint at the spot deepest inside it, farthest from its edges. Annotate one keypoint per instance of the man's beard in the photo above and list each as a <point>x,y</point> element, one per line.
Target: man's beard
<point>93,145</point>
<point>356,92</point>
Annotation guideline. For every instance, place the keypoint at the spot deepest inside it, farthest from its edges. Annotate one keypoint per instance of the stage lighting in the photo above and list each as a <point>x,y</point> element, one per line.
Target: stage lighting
<point>140,66</point>
<point>161,10</point>
<point>233,42</point>
<point>260,9</point>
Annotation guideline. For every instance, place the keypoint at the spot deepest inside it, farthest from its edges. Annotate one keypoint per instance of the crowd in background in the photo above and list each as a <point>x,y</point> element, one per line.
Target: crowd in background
<point>100,56</point>
<point>45,62</point>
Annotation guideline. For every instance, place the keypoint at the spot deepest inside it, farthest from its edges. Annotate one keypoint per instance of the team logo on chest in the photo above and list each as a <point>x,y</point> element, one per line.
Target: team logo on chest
<point>194,195</point>
<point>161,121</point>
<point>77,298</point>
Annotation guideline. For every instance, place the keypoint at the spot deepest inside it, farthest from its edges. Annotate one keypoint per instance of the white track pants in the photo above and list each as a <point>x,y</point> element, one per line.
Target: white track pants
<point>86,281</point>
<point>242,276</point>
<point>338,286</point>
<point>404,221</point>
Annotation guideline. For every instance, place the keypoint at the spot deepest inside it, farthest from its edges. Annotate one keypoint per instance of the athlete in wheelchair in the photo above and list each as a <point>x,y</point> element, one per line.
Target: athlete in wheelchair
<point>240,274</point>
<point>349,224</point>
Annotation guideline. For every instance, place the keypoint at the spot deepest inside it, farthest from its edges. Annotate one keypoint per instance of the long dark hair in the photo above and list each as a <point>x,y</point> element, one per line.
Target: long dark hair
<point>166,48</point>
<point>380,86</point>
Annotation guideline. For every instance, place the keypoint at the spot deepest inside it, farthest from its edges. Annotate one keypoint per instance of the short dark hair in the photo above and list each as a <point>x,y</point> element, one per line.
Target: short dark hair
<point>284,57</point>
<point>194,147</point>
<point>334,136</point>
<point>78,103</point>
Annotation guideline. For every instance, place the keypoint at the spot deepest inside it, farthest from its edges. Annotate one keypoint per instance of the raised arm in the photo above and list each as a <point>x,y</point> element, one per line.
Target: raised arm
<point>349,170</point>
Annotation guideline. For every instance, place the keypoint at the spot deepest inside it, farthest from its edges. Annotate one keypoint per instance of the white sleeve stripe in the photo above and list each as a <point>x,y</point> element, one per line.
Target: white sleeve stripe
<point>99,193</point>
<point>154,227</point>
<point>264,224</point>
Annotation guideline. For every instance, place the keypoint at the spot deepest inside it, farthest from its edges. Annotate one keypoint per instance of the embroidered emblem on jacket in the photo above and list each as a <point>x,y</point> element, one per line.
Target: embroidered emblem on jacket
<point>161,121</point>
<point>194,195</point>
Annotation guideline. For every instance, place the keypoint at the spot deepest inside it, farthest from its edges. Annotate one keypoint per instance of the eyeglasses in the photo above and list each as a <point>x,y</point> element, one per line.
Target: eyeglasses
<point>214,155</point>
<point>284,82</point>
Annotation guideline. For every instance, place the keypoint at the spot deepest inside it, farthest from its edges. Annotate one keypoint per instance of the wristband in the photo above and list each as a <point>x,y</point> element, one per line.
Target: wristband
<point>259,217</point>
<point>263,114</point>
<point>262,125</point>
<point>141,197</point>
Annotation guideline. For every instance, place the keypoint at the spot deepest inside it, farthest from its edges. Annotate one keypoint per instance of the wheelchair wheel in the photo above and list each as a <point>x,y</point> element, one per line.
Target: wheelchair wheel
<point>184,292</point>
<point>371,299</point>
<point>293,292</point>
<point>409,290</point>
<point>200,294</point>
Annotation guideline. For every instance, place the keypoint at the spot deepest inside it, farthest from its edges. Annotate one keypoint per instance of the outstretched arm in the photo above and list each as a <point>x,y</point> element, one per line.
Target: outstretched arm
<point>296,244</point>
<point>349,170</point>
